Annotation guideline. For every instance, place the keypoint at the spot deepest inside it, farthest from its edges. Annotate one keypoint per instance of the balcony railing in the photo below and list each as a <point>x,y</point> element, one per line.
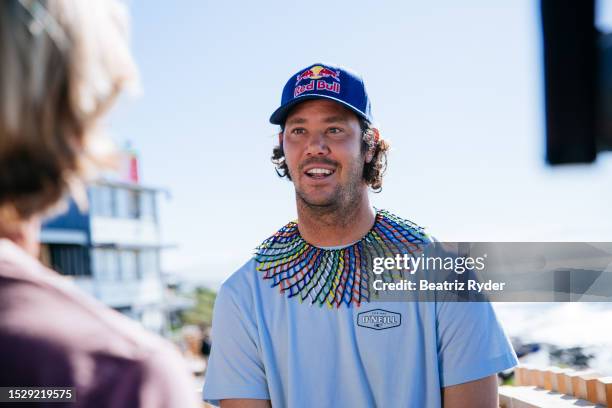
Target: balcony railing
<point>556,387</point>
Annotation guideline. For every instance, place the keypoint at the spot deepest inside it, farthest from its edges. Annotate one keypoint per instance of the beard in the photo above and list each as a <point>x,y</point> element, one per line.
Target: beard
<point>342,199</point>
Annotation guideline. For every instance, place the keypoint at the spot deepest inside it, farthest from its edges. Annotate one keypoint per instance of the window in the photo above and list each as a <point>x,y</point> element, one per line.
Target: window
<point>102,201</point>
<point>126,265</point>
<point>147,205</point>
<point>107,201</point>
<point>127,203</point>
<point>129,265</point>
<point>133,203</point>
<point>106,264</point>
<point>149,263</point>
<point>72,260</point>
<point>121,204</point>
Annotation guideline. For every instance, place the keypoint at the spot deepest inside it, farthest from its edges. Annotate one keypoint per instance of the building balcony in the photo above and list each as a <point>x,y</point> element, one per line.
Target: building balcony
<point>132,294</point>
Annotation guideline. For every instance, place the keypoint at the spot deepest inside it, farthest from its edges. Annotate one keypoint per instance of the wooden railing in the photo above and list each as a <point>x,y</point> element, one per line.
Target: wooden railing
<point>548,387</point>
<point>556,387</point>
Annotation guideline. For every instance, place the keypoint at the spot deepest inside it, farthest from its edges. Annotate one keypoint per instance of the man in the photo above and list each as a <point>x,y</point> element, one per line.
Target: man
<point>63,64</point>
<point>294,326</point>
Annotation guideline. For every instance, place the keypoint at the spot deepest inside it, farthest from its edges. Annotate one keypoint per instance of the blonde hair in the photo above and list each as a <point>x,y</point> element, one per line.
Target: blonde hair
<point>63,64</point>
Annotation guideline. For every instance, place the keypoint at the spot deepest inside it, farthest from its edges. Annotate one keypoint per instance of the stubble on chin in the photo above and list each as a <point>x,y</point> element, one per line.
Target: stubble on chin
<point>339,204</point>
<point>324,206</point>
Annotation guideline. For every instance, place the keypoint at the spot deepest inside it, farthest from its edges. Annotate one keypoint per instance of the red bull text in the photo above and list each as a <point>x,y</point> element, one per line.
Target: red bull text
<point>319,85</point>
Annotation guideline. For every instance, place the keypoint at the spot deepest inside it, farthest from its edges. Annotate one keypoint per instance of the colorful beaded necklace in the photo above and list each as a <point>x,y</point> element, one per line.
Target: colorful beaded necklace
<point>334,276</point>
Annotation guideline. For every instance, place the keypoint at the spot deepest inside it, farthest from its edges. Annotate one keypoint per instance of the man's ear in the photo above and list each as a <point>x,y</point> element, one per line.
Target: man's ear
<point>280,139</point>
<point>370,153</point>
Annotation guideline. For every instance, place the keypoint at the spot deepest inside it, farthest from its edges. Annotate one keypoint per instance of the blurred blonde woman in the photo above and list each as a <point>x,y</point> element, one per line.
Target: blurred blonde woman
<point>62,64</point>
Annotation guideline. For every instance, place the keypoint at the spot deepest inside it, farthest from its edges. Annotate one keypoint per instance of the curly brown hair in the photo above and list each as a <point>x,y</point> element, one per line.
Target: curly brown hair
<point>373,171</point>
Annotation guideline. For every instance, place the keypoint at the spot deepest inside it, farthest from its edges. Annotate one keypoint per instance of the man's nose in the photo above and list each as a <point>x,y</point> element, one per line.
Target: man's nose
<point>317,145</point>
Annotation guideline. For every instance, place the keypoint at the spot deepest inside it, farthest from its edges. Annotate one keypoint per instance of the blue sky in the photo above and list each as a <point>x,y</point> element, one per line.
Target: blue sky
<point>456,88</point>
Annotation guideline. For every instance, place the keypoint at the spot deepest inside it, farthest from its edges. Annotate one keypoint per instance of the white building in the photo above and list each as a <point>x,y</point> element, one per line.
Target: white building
<point>113,250</point>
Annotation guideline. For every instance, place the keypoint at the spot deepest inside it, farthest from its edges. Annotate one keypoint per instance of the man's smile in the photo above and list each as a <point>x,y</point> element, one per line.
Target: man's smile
<point>319,173</point>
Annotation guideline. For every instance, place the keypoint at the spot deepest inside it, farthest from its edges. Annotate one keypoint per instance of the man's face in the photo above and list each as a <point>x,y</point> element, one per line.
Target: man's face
<point>322,144</point>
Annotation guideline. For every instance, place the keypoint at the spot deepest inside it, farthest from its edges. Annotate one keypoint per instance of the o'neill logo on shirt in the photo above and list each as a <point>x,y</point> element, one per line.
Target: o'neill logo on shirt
<point>379,319</point>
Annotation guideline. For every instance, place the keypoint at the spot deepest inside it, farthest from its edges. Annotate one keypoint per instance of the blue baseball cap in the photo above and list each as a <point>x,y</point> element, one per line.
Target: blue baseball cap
<point>324,81</point>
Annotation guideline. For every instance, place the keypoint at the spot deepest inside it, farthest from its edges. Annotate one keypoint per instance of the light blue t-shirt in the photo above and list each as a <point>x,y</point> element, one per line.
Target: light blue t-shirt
<point>269,346</point>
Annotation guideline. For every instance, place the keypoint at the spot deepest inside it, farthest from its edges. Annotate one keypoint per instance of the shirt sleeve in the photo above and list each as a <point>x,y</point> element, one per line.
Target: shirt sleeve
<point>471,342</point>
<point>235,369</point>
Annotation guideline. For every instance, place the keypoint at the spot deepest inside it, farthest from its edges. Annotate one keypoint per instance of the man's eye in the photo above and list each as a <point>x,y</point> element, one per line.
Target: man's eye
<point>298,131</point>
<point>335,130</point>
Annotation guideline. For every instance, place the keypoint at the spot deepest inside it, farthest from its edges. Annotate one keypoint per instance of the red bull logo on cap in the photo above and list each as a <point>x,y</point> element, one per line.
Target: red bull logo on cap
<point>316,75</point>
<point>318,72</point>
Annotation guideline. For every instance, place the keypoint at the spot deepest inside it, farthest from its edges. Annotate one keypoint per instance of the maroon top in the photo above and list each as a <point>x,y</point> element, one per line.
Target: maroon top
<point>51,334</point>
